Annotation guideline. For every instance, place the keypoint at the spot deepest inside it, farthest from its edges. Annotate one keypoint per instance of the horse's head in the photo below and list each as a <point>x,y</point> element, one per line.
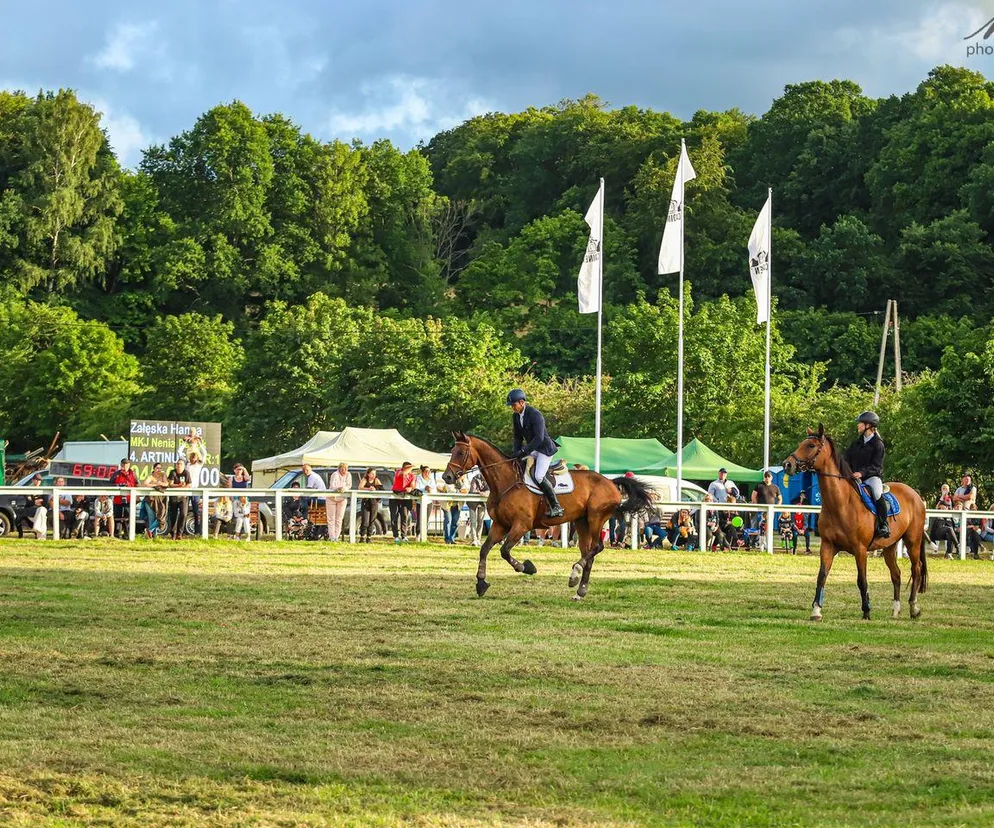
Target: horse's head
<point>463,458</point>
<point>806,456</point>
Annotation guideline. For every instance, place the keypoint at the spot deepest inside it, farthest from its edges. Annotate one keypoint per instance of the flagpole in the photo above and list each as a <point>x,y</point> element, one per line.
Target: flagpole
<point>769,322</point>
<point>679,392</point>
<point>600,314</point>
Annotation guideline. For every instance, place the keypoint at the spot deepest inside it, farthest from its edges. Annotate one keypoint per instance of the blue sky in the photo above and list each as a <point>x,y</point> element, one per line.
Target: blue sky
<point>405,70</point>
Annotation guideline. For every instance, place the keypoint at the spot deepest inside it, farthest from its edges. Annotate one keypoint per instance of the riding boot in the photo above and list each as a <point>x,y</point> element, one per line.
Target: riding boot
<point>555,510</point>
<point>882,530</point>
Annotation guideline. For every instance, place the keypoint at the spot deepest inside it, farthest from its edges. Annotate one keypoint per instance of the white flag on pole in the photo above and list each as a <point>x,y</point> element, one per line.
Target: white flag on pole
<point>759,262</point>
<point>588,283</point>
<point>670,250</point>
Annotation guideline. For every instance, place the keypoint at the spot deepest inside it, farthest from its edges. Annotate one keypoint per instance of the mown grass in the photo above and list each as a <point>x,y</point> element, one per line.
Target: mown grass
<point>192,684</point>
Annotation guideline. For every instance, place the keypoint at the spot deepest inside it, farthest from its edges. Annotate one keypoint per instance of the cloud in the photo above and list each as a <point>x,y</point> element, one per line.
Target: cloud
<point>125,134</point>
<point>126,43</point>
<point>412,106</point>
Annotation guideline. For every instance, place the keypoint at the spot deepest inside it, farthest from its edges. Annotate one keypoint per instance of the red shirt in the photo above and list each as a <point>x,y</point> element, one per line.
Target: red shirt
<point>125,479</point>
<point>402,482</point>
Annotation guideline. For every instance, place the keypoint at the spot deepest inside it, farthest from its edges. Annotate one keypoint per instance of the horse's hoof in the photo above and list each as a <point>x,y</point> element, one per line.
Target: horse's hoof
<point>815,617</point>
<point>916,611</point>
<point>481,587</point>
<point>866,616</point>
<point>528,568</point>
<point>574,576</point>
<point>576,597</point>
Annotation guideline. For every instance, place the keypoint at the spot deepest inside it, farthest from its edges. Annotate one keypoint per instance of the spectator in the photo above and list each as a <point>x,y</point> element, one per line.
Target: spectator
<point>965,494</point>
<point>942,529</point>
<point>296,506</point>
<point>242,510</point>
<point>477,511</point>
<point>192,444</point>
<point>368,506</point>
<point>34,512</point>
<point>719,488</point>
<point>240,478</point>
<point>425,483</point>
<point>103,516</point>
<point>223,513</point>
<point>764,494</point>
<point>685,534</point>
<point>987,527</point>
<point>653,528</point>
<point>178,478</point>
<point>400,508</point>
<point>451,509</point>
<point>155,505</point>
<point>312,480</point>
<point>124,477</point>
<point>340,481</point>
<point>195,468</point>
<point>944,497</point>
<point>80,515</point>
<point>65,509</point>
<point>715,537</point>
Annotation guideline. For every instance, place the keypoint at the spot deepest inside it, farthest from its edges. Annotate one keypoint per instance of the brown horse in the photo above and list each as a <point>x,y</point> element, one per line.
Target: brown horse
<point>846,525</point>
<point>514,510</point>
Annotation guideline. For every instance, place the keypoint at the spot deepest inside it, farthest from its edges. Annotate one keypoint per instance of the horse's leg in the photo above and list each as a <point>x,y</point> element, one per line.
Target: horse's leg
<point>890,558</point>
<point>496,533</point>
<point>827,559</point>
<point>596,545</point>
<point>864,589</point>
<point>583,544</point>
<point>514,534</point>
<point>919,568</point>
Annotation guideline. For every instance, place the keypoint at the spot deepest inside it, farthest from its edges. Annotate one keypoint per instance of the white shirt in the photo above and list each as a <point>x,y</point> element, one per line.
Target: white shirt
<point>314,481</point>
<point>195,469</point>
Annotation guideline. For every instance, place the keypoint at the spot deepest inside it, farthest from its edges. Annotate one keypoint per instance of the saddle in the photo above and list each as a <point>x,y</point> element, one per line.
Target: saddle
<point>893,505</point>
<point>562,480</point>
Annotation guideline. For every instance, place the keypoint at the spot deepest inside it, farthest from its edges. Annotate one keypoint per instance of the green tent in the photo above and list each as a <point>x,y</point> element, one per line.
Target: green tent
<point>702,463</point>
<point>618,454</point>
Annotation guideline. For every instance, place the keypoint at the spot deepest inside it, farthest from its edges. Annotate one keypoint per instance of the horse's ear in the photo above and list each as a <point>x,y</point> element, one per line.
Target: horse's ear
<point>821,431</point>
<point>811,431</point>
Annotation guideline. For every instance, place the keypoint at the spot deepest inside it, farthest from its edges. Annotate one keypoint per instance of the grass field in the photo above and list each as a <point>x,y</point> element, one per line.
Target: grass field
<point>151,683</point>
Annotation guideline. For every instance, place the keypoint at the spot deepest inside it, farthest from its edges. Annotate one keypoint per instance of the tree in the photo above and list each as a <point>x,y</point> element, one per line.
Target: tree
<point>61,374</point>
<point>59,186</point>
<point>190,367</point>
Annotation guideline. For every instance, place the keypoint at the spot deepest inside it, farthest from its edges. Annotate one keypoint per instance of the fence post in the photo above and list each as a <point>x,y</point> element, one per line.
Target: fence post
<point>564,535</point>
<point>278,516</point>
<point>55,513</point>
<point>353,502</point>
<point>423,522</point>
<point>205,529</point>
<point>132,517</point>
<point>634,528</point>
<point>769,528</point>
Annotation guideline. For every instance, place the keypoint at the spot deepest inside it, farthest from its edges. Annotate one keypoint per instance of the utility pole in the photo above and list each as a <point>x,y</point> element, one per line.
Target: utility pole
<point>890,319</point>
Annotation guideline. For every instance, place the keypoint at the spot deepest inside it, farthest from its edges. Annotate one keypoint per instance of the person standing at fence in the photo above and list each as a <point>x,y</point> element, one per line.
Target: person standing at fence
<point>124,477</point>
<point>179,478</point>
<point>368,506</point>
<point>339,482</point>
<point>195,468</point>
<point>400,507</point>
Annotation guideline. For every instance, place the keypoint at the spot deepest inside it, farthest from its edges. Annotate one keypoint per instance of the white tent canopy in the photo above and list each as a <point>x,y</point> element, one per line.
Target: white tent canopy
<point>382,448</point>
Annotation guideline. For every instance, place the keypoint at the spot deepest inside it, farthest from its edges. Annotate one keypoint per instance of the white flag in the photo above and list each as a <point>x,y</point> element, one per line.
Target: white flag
<point>670,250</point>
<point>588,283</point>
<point>759,262</point>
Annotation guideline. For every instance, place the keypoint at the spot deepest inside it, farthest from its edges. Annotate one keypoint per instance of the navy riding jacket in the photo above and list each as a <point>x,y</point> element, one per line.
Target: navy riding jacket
<point>532,436</point>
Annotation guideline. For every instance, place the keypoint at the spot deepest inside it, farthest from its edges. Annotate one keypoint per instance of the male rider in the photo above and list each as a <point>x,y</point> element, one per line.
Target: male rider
<point>531,438</point>
<point>866,458</point>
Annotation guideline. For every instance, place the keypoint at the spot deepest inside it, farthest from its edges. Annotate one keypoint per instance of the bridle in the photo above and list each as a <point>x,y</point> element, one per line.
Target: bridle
<point>809,464</point>
<point>463,448</point>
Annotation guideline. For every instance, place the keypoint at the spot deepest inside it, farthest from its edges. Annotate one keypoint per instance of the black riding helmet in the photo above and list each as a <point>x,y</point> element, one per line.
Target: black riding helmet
<point>869,418</point>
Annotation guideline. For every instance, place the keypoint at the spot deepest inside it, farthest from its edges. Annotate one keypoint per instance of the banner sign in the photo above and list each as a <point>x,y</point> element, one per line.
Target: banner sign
<point>166,441</point>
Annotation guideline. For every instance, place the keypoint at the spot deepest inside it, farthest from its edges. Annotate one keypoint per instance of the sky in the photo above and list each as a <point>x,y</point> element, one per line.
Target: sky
<point>406,69</point>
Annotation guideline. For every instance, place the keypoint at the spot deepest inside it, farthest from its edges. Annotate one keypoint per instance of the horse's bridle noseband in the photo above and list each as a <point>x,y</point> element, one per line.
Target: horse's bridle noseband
<point>809,464</point>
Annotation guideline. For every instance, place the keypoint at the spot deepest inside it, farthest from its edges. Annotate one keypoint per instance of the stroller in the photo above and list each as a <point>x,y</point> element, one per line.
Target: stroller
<point>297,528</point>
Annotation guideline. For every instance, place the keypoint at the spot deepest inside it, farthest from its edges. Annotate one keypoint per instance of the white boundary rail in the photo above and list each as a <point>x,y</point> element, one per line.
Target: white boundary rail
<point>277,495</point>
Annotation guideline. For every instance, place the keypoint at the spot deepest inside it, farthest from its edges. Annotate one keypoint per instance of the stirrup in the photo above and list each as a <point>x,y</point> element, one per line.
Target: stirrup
<point>554,511</point>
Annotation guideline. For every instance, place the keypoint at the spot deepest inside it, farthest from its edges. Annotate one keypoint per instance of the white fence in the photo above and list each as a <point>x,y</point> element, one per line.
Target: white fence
<point>206,495</point>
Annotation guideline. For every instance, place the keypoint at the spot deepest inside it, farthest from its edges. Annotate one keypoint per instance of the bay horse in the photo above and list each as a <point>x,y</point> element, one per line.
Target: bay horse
<point>514,510</point>
<point>846,525</point>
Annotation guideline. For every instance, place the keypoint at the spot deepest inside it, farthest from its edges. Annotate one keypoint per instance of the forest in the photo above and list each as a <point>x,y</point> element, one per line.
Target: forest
<point>248,273</point>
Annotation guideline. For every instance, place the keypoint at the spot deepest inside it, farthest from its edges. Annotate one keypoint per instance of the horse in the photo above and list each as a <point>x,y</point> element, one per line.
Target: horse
<point>514,510</point>
<point>846,525</point>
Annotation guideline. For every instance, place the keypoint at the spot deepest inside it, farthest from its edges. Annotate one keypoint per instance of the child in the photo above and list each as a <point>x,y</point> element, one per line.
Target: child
<point>243,517</point>
<point>103,515</point>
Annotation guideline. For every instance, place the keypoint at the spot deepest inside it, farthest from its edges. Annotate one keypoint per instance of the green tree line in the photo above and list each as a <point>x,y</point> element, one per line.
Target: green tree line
<point>250,273</point>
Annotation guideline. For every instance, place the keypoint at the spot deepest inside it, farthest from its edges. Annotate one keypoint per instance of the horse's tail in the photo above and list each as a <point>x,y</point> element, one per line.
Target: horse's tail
<point>923,556</point>
<point>638,496</point>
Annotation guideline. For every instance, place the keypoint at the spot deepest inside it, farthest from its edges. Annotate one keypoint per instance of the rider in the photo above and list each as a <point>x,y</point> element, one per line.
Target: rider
<point>530,437</point>
<point>866,458</point>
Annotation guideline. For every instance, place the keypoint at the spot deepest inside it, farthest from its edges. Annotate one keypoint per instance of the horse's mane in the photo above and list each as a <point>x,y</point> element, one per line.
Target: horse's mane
<point>845,470</point>
<point>485,440</point>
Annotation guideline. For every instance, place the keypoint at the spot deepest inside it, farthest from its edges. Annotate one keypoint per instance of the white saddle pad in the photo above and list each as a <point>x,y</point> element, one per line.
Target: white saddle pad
<point>561,483</point>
